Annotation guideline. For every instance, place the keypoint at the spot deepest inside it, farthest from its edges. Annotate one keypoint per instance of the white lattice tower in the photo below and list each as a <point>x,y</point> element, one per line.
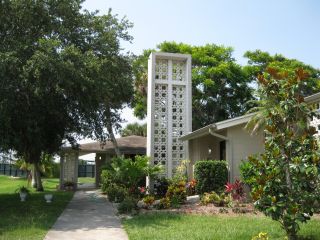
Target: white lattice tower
<point>169,109</point>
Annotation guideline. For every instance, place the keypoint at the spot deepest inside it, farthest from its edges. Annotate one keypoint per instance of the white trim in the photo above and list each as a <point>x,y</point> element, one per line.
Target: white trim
<point>211,131</point>
<point>315,98</point>
<point>217,126</point>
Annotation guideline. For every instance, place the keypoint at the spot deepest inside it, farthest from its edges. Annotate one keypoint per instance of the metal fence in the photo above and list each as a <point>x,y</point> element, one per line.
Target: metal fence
<point>86,170</point>
<point>11,170</point>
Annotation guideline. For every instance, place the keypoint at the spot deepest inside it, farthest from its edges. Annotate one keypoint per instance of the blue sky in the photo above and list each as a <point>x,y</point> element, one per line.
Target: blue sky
<point>289,27</point>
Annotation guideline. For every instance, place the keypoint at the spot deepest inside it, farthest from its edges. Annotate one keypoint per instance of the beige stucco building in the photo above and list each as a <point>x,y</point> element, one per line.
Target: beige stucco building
<point>229,140</point>
<point>226,140</point>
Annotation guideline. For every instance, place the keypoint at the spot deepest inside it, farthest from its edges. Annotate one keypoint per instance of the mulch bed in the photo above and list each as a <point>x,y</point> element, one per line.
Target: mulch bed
<point>210,209</point>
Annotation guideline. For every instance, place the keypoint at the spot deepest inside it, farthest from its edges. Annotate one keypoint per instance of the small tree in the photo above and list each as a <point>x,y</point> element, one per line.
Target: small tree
<point>286,175</point>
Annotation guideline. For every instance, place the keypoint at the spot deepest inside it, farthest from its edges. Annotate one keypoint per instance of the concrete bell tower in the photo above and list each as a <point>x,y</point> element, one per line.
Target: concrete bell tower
<point>169,109</point>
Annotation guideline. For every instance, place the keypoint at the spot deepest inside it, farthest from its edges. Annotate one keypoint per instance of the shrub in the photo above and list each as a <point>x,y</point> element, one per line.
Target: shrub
<point>148,200</point>
<point>177,192</point>
<point>161,187</point>
<point>106,180</point>
<point>236,190</point>
<point>211,175</point>
<point>221,200</point>
<point>247,173</point>
<point>164,203</point>
<point>191,187</point>
<point>116,193</point>
<point>129,173</point>
<point>127,205</point>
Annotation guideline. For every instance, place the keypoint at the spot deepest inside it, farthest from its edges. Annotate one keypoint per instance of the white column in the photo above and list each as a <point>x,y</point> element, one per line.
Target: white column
<point>61,181</point>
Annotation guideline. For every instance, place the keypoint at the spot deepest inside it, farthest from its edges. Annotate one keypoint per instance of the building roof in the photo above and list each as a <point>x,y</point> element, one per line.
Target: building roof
<point>209,129</point>
<point>217,127</point>
<point>127,145</point>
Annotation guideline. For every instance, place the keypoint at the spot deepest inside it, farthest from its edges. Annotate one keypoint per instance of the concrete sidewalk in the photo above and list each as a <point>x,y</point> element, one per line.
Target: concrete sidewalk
<point>88,216</point>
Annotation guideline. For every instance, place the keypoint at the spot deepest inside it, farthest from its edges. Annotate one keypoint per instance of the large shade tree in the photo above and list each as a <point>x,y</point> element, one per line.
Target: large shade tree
<point>220,88</point>
<point>62,74</point>
<point>259,61</point>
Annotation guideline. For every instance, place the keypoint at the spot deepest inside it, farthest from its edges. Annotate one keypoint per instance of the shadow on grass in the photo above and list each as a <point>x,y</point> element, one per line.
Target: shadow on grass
<point>34,214</point>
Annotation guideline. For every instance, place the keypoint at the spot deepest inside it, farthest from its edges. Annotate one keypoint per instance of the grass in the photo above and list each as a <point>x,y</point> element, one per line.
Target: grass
<point>31,219</point>
<point>82,180</point>
<point>158,226</point>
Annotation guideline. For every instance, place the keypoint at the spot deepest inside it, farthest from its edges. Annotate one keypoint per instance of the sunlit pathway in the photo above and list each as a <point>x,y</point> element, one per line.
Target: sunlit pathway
<point>88,216</point>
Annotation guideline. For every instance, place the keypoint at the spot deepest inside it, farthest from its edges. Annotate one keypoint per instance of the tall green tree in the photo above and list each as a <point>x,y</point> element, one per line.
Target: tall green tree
<point>220,88</point>
<point>62,74</point>
<point>134,129</point>
<point>259,61</point>
<point>285,178</point>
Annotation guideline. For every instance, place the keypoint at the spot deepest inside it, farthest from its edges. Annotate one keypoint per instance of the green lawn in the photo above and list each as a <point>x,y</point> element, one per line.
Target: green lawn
<point>82,180</point>
<point>33,218</point>
<point>158,226</point>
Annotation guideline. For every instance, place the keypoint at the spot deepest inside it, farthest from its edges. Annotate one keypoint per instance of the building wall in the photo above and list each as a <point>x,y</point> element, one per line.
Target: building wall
<point>241,145</point>
<point>199,150</point>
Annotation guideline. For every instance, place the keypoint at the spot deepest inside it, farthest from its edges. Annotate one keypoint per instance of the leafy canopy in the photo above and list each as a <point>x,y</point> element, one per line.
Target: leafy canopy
<point>62,74</point>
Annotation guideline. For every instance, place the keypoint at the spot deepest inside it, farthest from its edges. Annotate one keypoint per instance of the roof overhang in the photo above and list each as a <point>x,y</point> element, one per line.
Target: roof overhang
<point>213,128</point>
<point>315,98</point>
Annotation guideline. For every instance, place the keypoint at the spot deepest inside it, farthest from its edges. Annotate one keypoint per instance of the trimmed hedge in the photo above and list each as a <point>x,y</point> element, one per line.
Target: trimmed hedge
<point>211,175</point>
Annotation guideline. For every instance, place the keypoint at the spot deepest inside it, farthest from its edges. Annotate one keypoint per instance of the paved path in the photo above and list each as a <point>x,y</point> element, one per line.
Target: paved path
<point>88,216</point>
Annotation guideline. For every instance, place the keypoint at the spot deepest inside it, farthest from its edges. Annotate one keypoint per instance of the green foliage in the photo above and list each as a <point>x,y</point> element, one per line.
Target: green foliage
<point>134,129</point>
<point>106,180</point>
<point>127,205</point>
<point>128,173</point>
<point>22,189</point>
<point>116,193</point>
<point>221,200</point>
<point>285,179</point>
<point>164,203</point>
<point>177,193</point>
<point>148,200</point>
<point>247,172</point>
<point>259,61</point>
<point>219,86</point>
<point>211,175</point>
<point>161,185</point>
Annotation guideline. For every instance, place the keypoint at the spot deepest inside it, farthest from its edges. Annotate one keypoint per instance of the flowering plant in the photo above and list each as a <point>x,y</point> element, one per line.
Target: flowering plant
<point>236,190</point>
<point>191,187</point>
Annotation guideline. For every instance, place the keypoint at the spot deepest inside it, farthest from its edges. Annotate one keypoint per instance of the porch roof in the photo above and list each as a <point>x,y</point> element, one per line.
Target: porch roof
<point>127,145</point>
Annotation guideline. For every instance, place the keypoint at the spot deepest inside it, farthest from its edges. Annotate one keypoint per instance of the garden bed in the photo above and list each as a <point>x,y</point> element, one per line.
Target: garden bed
<point>210,209</point>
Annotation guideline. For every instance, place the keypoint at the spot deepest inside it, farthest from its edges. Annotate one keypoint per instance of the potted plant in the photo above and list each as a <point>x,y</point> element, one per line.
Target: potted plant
<point>48,197</point>
<point>23,192</point>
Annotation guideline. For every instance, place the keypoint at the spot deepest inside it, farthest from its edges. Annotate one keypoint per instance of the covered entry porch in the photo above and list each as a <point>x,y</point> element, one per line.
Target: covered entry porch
<point>104,152</point>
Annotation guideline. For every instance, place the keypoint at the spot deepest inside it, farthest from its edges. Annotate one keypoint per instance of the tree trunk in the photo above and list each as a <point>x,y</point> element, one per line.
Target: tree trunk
<point>33,180</point>
<point>113,139</point>
<point>38,177</point>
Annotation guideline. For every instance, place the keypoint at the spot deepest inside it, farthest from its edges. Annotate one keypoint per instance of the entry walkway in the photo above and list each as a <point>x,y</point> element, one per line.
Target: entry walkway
<point>88,216</point>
